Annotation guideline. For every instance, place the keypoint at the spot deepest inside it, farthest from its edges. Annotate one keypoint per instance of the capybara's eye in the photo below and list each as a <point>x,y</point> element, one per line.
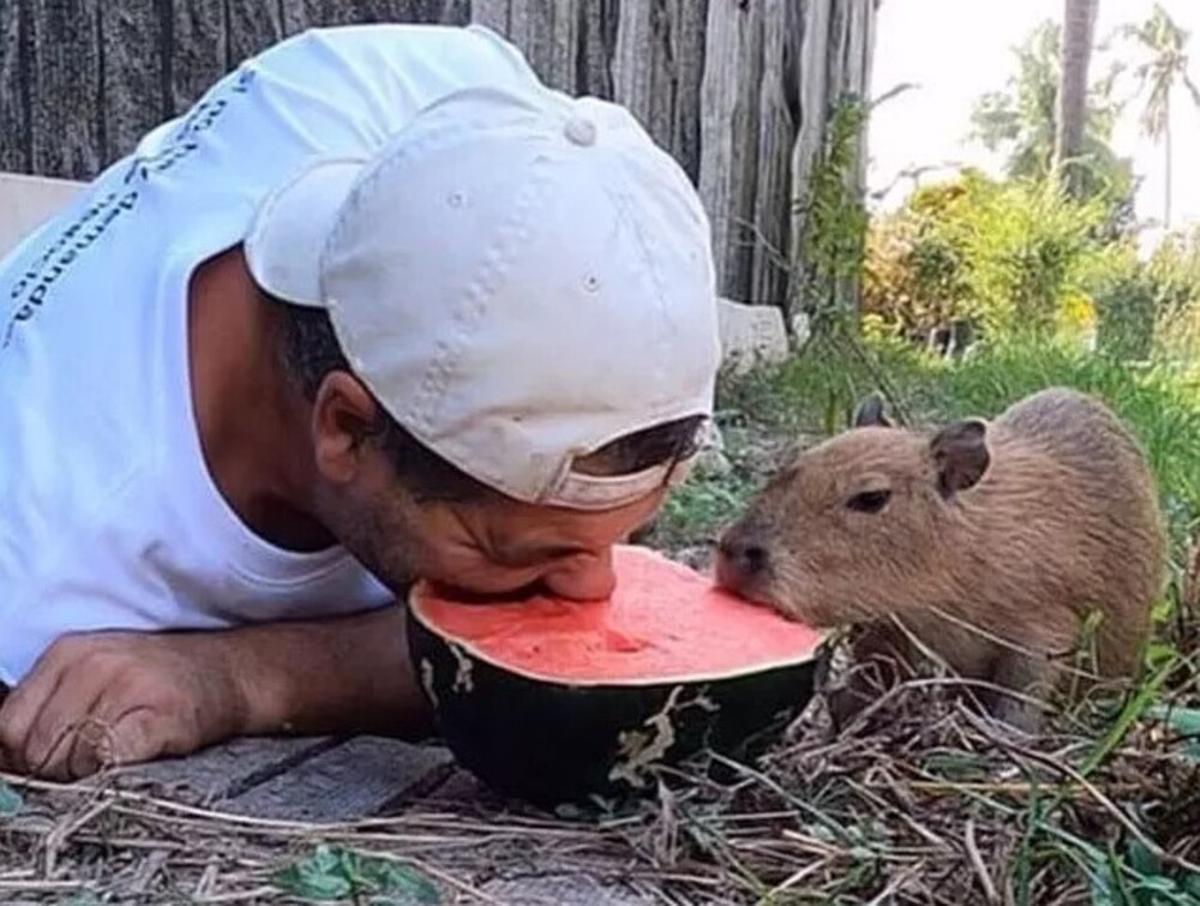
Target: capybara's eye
<point>869,501</point>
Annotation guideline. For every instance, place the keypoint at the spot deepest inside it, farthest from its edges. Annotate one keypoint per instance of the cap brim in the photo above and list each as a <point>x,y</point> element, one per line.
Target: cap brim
<point>287,237</point>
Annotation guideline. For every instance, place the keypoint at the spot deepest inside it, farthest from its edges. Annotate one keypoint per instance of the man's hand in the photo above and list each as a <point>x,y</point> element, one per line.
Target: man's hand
<point>115,698</point>
<point>120,698</point>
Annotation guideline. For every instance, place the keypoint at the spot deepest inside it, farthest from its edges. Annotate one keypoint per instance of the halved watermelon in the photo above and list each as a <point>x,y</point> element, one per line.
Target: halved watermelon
<point>553,700</point>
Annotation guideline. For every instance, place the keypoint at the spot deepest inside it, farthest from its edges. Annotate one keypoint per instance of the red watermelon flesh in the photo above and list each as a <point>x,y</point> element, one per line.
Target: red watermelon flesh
<point>664,622</point>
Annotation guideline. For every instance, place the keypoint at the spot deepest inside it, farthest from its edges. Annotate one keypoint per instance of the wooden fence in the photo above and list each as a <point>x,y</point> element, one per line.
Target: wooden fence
<point>739,91</point>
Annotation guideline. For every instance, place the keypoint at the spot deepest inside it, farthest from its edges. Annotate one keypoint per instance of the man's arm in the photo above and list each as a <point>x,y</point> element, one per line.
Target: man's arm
<point>350,675</point>
<point>103,698</point>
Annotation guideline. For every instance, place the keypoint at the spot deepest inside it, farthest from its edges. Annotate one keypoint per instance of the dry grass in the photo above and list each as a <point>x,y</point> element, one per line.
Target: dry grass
<point>923,801</point>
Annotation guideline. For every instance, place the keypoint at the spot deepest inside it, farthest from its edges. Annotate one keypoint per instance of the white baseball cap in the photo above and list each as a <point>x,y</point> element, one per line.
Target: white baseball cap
<point>518,280</point>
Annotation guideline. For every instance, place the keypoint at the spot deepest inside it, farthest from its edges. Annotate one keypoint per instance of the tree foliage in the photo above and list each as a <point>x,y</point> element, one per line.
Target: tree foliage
<point>1163,45</point>
<point>1020,121</point>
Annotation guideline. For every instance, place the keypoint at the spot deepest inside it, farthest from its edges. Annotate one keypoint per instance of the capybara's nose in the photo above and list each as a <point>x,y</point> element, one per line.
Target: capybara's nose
<point>738,560</point>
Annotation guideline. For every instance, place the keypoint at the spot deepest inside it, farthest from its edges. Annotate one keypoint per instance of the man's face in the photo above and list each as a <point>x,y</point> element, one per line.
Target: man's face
<point>492,546</point>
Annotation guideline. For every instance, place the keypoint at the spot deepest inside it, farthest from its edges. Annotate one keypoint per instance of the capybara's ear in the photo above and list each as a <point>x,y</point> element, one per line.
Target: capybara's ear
<point>870,413</point>
<point>961,455</point>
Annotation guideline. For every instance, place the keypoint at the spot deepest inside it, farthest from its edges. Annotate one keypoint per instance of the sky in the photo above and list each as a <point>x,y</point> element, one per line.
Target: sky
<point>956,50</point>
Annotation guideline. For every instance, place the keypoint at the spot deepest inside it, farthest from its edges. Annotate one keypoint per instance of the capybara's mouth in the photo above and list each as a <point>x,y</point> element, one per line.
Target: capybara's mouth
<point>761,588</point>
<point>754,588</point>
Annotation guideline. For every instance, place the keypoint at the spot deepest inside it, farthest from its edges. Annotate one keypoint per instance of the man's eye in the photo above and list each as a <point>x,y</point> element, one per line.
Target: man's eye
<point>869,501</point>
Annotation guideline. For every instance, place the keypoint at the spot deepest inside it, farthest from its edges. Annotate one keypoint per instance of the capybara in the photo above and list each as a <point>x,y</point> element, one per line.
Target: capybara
<point>990,542</point>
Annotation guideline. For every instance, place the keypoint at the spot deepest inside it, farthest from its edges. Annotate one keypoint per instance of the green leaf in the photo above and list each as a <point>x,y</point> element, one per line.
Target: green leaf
<point>1185,722</point>
<point>1142,860</point>
<point>317,878</point>
<point>334,873</point>
<point>1108,888</point>
<point>1137,705</point>
<point>11,802</point>
<point>1191,886</point>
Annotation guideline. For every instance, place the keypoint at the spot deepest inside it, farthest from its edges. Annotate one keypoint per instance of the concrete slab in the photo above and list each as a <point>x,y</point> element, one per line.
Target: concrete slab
<point>750,335</point>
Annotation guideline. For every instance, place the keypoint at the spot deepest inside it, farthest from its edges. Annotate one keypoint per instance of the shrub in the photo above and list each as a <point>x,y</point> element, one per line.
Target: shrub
<point>1175,270</point>
<point>1009,257</point>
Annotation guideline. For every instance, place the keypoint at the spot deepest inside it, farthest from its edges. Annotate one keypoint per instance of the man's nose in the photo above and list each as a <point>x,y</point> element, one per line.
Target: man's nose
<point>583,579</point>
<point>739,559</point>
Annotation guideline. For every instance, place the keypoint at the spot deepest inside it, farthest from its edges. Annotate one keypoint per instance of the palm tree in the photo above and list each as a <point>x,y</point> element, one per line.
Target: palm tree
<point>1079,25</point>
<point>1022,120</point>
<point>1165,69</point>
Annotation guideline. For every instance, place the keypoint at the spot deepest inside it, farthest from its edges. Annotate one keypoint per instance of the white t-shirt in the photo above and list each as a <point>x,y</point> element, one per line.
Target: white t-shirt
<point>109,518</point>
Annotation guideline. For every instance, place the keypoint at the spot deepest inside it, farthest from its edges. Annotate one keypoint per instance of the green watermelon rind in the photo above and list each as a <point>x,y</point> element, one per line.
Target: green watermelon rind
<point>550,741</point>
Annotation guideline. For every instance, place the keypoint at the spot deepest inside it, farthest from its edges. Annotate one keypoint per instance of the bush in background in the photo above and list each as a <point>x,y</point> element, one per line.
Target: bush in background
<point>1175,272</point>
<point>1150,309</point>
<point>1006,256</point>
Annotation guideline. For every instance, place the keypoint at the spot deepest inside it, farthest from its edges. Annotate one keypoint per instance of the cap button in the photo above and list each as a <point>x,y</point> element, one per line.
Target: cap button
<point>580,131</point>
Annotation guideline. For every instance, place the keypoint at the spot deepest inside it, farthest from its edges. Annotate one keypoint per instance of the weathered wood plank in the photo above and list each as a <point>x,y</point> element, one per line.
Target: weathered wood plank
<point>301,14</point>
<point>565,888</point>
<point>566,27</point>
<point>251,28</point>
<point>492,13</point>
<point>64,82</point>
<point>689,51</point>
<point>298,15</point>
<point>199,49</point>
<point>15,134</point>
<point>729,138</point>
<point>632,69</point>
<point>228,770</point>
<point>598,41</point>
<point>813,64</point>
<point>658,71</point>
<point>461,788</point>
<point>769,270</point>
<point>530,27</point>
<point>454,12</point>
<point>855,38</point>
<point>361,777</point>
<point>427,11</point>
<point>549,32</point>
<point>135,96</point>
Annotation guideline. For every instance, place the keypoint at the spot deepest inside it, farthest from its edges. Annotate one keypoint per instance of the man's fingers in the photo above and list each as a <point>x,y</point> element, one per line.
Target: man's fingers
<point>107,740</point>
<point>125,724</point>
<point>63,716</point>
<point>115,699</point>
<point>21,709</point>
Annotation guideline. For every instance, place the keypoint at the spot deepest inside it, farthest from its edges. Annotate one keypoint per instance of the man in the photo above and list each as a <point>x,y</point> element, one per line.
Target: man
<point>380,307</point>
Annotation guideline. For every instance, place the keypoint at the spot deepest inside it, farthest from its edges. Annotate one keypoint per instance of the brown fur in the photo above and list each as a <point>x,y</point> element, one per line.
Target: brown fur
<point>1020,527</point>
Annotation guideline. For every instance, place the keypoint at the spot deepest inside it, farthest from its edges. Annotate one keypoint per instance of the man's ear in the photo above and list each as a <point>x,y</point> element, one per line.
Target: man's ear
<point>960,455</point>
<point>344,415</point>
<point>871,413</point>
